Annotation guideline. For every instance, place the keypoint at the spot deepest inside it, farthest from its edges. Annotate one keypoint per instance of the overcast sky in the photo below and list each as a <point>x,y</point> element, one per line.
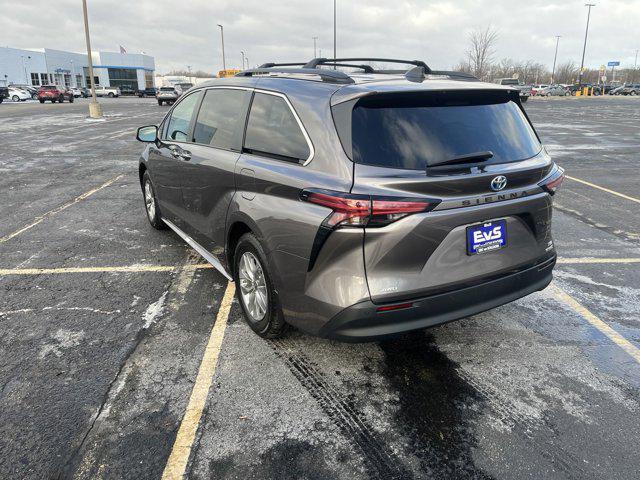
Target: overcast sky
<point>184,32</point>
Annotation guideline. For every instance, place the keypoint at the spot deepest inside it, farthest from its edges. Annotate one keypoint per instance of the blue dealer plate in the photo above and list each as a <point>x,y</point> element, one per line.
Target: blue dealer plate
<point>486,237</point>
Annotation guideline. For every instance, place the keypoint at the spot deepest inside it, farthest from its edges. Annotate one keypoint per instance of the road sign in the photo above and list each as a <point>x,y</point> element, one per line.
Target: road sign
<point>613,64</point>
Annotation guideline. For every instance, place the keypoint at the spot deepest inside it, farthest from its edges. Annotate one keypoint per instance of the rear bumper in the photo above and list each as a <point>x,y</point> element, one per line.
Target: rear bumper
<point>362,322</point>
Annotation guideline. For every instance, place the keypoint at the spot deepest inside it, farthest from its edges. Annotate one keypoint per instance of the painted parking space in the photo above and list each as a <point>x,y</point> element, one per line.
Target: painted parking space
<point>117,364</point>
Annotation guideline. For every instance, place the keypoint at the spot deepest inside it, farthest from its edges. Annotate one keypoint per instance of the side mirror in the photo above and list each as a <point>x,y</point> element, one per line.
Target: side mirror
<point>148,134</point>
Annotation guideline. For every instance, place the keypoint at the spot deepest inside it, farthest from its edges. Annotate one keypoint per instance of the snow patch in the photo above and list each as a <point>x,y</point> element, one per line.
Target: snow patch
<point>154,311</point>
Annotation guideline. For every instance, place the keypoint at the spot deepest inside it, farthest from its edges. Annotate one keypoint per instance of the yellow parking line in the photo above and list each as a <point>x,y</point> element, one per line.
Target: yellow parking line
<point>614,336</point>
<point>60,208</point>
<point>121,269</point>
<point>571,261</point>
<point>177,462</point>
<point>613,192</point>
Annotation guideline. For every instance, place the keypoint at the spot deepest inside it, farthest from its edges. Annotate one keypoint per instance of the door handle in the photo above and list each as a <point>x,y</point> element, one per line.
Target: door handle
<point>180,153</point>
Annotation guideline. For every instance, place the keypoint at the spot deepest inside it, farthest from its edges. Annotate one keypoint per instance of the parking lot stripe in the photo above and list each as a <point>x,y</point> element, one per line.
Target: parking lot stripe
<point>179,457</point>
<point>587,260</point>
<point>613,335</point>
<point>613,192</point>
<point>50,213</point>
<point>118,269</point>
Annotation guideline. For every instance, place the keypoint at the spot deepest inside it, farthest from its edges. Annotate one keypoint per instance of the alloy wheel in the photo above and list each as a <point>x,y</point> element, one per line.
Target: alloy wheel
<point>253,286</point>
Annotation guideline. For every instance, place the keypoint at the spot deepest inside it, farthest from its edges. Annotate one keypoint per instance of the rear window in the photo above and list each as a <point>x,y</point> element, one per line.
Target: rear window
<point>416,131</point>
<point>167,89</point>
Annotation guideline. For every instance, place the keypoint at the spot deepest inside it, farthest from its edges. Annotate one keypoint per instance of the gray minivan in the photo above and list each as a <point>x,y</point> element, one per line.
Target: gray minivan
<point>355,202</point>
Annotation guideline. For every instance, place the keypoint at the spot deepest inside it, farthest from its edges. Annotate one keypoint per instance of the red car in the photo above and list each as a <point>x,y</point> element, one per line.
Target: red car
<point>54,94</point>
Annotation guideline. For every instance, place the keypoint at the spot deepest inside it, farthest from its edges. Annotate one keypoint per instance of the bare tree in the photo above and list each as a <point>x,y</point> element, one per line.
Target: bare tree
<point>566,72</point>
<point>481,51</point>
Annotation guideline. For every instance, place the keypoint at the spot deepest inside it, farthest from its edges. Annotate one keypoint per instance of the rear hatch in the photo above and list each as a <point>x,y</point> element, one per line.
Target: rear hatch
<point>447,148</point>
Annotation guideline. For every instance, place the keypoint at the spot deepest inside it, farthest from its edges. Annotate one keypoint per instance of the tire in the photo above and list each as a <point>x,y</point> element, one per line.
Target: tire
<point>524,99</point>
<point>15,98</point>
<point>110,95</point>
<point>42,100</point>
<point>53,100</point>
<point>160,102</point>
<point>71,99</point>
<point>271,324</point>
<point>61,98</point>
<point>633,93</point>
<point>151,203</point>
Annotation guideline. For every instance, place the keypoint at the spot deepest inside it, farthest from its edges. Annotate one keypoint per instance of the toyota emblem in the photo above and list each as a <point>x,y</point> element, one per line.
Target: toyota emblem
<point>498,183</point>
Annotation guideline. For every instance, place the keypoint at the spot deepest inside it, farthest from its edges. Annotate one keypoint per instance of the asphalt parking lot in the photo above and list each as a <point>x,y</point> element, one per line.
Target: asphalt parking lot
<point>110,332</point>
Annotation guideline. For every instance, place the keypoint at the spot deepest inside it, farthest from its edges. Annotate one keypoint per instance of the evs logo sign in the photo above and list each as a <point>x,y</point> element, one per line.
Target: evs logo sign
<point>486,237</point>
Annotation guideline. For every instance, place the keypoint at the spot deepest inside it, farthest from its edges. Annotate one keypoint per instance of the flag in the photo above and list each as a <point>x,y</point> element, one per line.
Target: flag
<point>122,49</point>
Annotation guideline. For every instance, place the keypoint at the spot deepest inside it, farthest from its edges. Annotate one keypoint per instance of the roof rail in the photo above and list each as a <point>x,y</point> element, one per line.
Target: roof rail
<point>331,76</point>
<point>455,75</point>
<point>316,62</point>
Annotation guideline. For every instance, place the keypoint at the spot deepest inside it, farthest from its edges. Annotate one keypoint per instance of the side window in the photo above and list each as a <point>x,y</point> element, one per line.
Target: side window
<point>221,118</point>
<point>273,130</point>
<point>180,120</point>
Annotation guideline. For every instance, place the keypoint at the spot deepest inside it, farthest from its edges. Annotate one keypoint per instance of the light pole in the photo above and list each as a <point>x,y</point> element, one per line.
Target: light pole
<point>189,70</point>
<point>95,109</point>
<point>73,75</point>
<point>334,31</point>
<point>224,63</point>
<point>584,48</point>
<point>247,59</point>
<point>553,72</point>
<point>242,53</point>
<point>314,46</point>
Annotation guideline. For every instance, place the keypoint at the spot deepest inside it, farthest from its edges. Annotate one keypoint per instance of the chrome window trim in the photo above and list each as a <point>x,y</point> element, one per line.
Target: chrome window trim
<point>312,151</point>
<point>305,134</point>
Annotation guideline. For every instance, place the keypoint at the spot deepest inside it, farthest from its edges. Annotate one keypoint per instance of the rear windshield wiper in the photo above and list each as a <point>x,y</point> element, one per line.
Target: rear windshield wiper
<point>467,158</point>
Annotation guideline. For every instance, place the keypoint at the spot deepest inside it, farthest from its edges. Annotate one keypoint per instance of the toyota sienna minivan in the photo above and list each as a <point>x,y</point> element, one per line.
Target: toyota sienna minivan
<point>354,202</point>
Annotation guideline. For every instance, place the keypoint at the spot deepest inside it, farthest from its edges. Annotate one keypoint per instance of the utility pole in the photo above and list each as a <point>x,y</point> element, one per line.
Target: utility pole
<point>584,48</point>
<point>189,69</point>
<point>635,66</point>
<point>95,109</point>
<point>314,47</point>
<point>224,62</point>
<point>242,59</point>
<point>334,32</point>
<point>555,57</point>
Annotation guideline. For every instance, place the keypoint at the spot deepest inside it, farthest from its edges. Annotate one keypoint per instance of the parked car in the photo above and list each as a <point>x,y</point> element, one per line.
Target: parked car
<point>632,89</point>
<point>127,90</point>
<point>554,91</point>
<point>54,93</point>
<point>525,90</point>
<point>167,95</point>
<point>4,93</point>
<point>102,91</point>
<point>356,206</point>
<point>617,90</point>
<point>18,95</point>
<point>32,91</point>
<point>77,92</point>
<point>183,87</point>
<point>148,92</point>
<point>536,89</point>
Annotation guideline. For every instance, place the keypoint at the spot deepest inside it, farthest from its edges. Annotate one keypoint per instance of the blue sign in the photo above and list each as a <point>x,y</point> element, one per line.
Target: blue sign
<point>613,64</point>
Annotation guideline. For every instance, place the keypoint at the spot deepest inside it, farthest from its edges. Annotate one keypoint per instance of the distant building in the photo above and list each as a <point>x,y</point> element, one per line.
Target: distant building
<point>45,66</point>
<point>170,80</point>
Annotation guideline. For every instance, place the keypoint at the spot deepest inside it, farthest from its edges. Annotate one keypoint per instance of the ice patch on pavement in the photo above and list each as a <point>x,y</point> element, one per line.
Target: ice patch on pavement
<point>64,339</point>
<point>154,311</point>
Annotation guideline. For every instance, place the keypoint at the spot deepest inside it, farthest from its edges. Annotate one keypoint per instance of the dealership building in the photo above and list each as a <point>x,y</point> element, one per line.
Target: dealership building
<point>47,66</point>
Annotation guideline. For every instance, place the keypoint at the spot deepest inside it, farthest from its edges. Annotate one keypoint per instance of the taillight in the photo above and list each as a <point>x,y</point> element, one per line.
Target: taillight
<point>351,210</point>
<point>553,181</point>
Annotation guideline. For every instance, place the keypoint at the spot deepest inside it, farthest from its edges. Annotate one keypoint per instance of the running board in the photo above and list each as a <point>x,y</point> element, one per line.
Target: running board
<point>200,249</point>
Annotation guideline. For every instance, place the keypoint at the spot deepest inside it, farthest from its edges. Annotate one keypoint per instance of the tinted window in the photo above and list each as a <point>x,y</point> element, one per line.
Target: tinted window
<point>415,131</point>
<point>221,118</point>
<point>178,126</point>
<point>273,130</point>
